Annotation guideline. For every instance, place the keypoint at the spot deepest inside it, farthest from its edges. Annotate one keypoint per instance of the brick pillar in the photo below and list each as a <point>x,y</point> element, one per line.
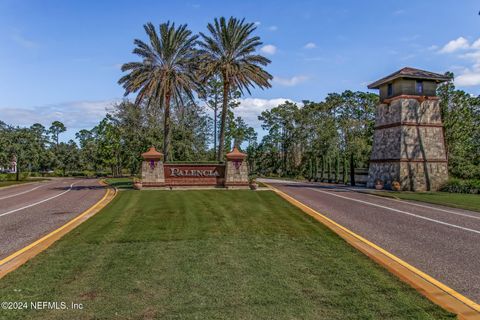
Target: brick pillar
<point>152,169</point>
<point>236,170</point>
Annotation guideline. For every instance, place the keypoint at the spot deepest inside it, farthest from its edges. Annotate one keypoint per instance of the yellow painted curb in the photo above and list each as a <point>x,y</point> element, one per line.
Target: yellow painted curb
<point>431,288</point>
<point>21,256</point>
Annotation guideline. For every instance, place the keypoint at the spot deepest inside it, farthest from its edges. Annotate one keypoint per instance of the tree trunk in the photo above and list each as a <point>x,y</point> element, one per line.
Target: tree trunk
<point>345,164</point>
<point>329,166</point>
<point>215,136</point>
<point>17,174</point>
<point>221,142</point>
<point>337,169</point>
<point>166,128</point>
<point>352,170</point>
<point>322,172</point>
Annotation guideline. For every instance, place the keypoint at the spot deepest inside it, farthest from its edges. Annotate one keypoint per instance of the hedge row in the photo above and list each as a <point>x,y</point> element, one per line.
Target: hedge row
<point>462,186</point>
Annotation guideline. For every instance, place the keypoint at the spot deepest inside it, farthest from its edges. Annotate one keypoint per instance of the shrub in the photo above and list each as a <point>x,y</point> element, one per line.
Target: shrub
<point>462,186</point>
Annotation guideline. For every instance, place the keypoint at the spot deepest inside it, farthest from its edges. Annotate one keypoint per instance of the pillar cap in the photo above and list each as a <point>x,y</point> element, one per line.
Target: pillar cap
<point>235,154</point>
<point>152,154</point>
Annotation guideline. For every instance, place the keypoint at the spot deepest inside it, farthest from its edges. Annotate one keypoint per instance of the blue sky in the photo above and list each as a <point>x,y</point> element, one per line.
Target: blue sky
<point>59,60</point>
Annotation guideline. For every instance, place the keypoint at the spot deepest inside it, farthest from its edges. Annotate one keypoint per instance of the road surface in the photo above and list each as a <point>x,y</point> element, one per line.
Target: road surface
<point>30,211</point>
<point>441,241</point>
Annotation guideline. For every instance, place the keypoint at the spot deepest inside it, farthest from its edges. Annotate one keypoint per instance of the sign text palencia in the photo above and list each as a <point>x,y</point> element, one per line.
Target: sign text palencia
<point>176,172</point>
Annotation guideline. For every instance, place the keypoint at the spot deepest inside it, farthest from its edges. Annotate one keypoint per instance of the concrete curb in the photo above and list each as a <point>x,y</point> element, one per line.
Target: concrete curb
<point>21,256</point>
<point>431,288</point>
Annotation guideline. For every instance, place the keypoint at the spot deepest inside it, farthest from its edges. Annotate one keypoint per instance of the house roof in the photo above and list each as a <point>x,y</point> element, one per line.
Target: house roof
<point>410,73</point>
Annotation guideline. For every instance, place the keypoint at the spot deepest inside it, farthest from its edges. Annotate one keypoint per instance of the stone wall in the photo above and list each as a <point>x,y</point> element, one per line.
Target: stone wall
<point>153,175</point>
<point>409,145</point>
<point>385,171</point>
<point>416,176</point>
<point>422,143</point>
<point>236,174</point>
<point>386,143</point>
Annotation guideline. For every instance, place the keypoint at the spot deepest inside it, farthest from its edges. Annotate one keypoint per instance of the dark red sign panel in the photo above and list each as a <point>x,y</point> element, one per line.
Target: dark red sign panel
<point>194,174</point>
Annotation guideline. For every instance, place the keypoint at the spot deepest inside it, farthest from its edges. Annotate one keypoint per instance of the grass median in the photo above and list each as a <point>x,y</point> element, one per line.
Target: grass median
<point>209,254</point>
<point>454,200</point>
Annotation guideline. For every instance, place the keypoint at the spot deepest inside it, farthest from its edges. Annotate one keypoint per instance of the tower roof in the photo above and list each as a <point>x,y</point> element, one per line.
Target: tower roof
<point>410,73</point>
<point>235,154</point>
<point>152,154</point>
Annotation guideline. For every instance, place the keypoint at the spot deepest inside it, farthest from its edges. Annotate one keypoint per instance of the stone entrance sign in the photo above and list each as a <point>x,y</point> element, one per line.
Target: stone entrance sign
<point>155,173</point>
<point>408,142</point>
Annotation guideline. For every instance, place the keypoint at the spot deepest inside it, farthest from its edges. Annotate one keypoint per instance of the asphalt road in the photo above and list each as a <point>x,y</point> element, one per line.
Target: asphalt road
<point>441,241</point>
<point>30,211</point>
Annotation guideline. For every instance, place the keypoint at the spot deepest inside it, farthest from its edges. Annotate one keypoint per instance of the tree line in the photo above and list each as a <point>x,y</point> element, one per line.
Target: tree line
<point>322,140</point>
<point>115,144</point>
<point>325,140</point>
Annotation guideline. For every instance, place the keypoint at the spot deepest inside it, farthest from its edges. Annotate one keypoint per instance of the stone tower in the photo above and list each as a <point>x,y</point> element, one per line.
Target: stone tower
<point>408,142</point>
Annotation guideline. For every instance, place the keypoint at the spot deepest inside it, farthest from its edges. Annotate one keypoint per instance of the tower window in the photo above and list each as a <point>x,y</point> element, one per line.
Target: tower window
<point>419,86</point>
<point>389,90</point>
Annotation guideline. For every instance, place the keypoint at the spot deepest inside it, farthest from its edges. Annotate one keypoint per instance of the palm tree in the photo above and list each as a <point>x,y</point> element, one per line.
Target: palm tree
<point>167,70</point>
<point>229,51</point>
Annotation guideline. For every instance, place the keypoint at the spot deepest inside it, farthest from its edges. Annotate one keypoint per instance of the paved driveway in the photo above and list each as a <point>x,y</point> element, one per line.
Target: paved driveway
<point>441,241</point>
<point>30,211</point>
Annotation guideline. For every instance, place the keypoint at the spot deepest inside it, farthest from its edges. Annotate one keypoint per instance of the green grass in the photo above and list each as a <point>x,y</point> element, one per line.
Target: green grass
<point>211,254</point>
<point>120,183</point>
<point>455,200</point>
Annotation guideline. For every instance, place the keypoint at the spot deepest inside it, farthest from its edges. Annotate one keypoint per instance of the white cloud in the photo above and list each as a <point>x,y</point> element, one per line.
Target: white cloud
<point>399,11</point>
<point>476,44</point>
<point>310,45</point>
<point>75,115</point>
<point>467,75</point>
<point>469,78</point>
<point>257,23</point>
<point>454,45</point>
<point>269,49</point>
<point>250,108</point>
<point>290,82</point>
<point>273,28</point>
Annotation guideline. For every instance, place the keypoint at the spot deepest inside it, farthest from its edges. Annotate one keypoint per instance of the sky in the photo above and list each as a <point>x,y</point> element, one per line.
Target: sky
<point>60,60</point>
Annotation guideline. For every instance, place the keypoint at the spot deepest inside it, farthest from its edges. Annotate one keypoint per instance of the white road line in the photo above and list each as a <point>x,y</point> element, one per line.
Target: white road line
<point>20,193</point>
<point>400,211</point>
<point>39,202</point>
<point>421,205</point>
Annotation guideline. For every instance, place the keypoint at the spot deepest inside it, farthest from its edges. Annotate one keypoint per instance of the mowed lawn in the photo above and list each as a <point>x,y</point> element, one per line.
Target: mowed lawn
<point>210,254</point>
<point>454,200</point>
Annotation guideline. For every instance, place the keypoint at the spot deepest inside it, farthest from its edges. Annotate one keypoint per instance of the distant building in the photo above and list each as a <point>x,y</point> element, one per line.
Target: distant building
<point>408,142</point>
